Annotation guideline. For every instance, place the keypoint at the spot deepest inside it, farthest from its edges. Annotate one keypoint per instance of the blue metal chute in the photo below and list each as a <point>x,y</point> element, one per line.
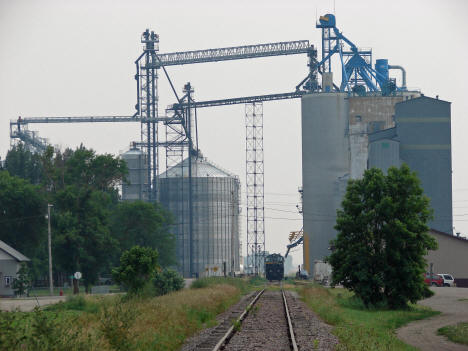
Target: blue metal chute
<point>362,73</point>
<point>294,244</point>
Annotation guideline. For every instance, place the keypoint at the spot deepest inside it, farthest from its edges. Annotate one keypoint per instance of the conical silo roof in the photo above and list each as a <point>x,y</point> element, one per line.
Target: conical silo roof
<point>201,168</point>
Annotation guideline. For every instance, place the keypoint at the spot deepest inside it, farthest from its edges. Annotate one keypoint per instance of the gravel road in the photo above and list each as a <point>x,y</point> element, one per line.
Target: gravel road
<point>423,334</point>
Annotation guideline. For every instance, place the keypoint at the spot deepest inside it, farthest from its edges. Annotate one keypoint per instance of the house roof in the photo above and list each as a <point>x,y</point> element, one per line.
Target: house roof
<point>450,235</point>
<point>422,97</point>
<point>12,252</point>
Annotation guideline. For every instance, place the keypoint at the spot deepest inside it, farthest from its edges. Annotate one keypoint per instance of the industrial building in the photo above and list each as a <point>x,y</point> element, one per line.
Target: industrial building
<point>366,120</point>
<point>450,257</point>
<point>421,138</point>
<point>335,139</point>
<point>343,135</point>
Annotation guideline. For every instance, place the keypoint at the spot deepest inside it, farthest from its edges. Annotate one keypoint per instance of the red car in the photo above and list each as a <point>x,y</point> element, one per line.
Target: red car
<point>435,281</point>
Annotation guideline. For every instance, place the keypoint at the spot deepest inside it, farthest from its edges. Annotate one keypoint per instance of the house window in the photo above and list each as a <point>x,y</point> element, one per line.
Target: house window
<point>7,280</point>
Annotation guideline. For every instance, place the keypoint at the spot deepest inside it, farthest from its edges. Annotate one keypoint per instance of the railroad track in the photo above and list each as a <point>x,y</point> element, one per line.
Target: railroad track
<point>270,319</point>
<point>269,322</point>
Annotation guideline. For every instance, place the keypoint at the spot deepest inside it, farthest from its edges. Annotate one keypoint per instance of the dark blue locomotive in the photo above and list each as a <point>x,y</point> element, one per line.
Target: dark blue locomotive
<point>274,267</point>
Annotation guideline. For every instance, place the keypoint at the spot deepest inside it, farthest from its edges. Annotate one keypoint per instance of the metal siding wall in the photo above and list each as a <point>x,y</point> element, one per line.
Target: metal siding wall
<point>451,256</point>
<point>325,160</point>
<point>212,204</point>
<point>383,154</point>
<point>136,163</point>
<point>424,131</point>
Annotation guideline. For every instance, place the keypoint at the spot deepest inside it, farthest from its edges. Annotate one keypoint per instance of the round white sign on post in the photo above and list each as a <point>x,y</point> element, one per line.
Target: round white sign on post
<point>77,275</point>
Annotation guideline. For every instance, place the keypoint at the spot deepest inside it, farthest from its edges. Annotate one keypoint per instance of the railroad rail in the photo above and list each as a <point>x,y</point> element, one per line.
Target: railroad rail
<point>224,341</point>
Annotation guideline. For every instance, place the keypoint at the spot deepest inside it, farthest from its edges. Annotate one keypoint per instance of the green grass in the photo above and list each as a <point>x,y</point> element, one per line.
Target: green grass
<point>244,285</point>
<point>356,327</point>
<point>45,292</point>
<point>66,291</point>
<point>76,303</point>
<point>115,322</point>
<point>457,333</point>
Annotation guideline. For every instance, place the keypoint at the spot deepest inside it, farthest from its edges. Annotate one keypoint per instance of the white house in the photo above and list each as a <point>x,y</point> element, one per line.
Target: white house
<point>10,261</point>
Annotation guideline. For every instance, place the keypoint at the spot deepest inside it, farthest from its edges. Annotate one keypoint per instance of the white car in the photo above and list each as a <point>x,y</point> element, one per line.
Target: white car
<point>448,279</point>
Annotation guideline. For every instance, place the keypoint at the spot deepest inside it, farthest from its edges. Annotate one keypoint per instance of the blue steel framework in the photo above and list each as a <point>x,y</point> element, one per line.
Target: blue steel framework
<point>358,75</point>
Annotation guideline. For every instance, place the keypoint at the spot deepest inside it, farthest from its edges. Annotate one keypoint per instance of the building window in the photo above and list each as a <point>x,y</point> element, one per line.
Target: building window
<point>7,280</point>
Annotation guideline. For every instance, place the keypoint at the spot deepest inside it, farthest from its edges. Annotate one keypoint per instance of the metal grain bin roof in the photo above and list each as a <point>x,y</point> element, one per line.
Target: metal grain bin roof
<point>201,168</point>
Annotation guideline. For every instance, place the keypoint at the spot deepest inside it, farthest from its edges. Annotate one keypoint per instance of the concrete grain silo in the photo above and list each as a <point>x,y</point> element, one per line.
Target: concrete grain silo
<point>335,148</point>
<point>325,163</point>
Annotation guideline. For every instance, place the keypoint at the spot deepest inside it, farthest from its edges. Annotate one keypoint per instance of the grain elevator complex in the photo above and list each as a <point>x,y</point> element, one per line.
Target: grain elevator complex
<point>365,120</point>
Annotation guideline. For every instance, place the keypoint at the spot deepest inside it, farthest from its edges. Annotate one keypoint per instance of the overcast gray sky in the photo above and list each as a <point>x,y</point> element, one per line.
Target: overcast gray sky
<point>77,58</point>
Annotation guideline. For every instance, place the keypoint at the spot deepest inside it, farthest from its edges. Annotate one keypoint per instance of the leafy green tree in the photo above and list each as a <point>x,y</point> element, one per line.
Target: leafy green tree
<point>22,282</point>
<point>82,240</point>
<point>82,167</point>
<point>22,214</point>
<point>23,163</point>
<point>382,238</point>
<point>137,267</point>
<point>166,281</point>
<point>144,224</point>
<point>82,187</point>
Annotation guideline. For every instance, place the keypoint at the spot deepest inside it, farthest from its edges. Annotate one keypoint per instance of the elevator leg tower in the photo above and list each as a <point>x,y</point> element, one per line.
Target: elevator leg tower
<point>147,106</point>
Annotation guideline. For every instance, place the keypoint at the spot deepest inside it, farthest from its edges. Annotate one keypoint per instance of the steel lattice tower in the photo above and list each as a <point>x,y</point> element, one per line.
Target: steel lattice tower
<point>147,106</point>
<point>255,186</point>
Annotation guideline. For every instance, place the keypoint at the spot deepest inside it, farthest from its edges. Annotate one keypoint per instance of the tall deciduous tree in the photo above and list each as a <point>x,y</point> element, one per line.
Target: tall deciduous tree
<point>23,163</point>
<point>382,238</point>
<point>82,187</point>
<point>144,224</point>
<point>22,214</point>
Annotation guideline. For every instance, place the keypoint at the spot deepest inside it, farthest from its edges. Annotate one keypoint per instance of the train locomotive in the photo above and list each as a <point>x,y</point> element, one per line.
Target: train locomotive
<point>274,267</point>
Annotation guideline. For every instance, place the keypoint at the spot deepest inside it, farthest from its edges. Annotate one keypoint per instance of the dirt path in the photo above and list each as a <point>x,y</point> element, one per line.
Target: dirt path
<point>423,334</point>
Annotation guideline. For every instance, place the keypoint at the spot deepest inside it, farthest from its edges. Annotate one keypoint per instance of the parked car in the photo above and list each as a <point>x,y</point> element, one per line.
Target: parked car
<point>448,279</point>
<point>435,281</point>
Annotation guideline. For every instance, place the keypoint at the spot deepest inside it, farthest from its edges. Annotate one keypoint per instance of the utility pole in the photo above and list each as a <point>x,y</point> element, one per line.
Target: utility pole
<point>51,283</point>
<point>188,90</point>
<point>232,233</point>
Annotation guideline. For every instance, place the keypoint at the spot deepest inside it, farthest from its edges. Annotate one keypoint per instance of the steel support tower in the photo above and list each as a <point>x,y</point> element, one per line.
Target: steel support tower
<point>255,186</point>
<point>147,106</point>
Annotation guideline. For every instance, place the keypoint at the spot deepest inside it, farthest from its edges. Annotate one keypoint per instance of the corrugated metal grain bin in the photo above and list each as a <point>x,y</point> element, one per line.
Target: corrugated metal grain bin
<point>215,216</point>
